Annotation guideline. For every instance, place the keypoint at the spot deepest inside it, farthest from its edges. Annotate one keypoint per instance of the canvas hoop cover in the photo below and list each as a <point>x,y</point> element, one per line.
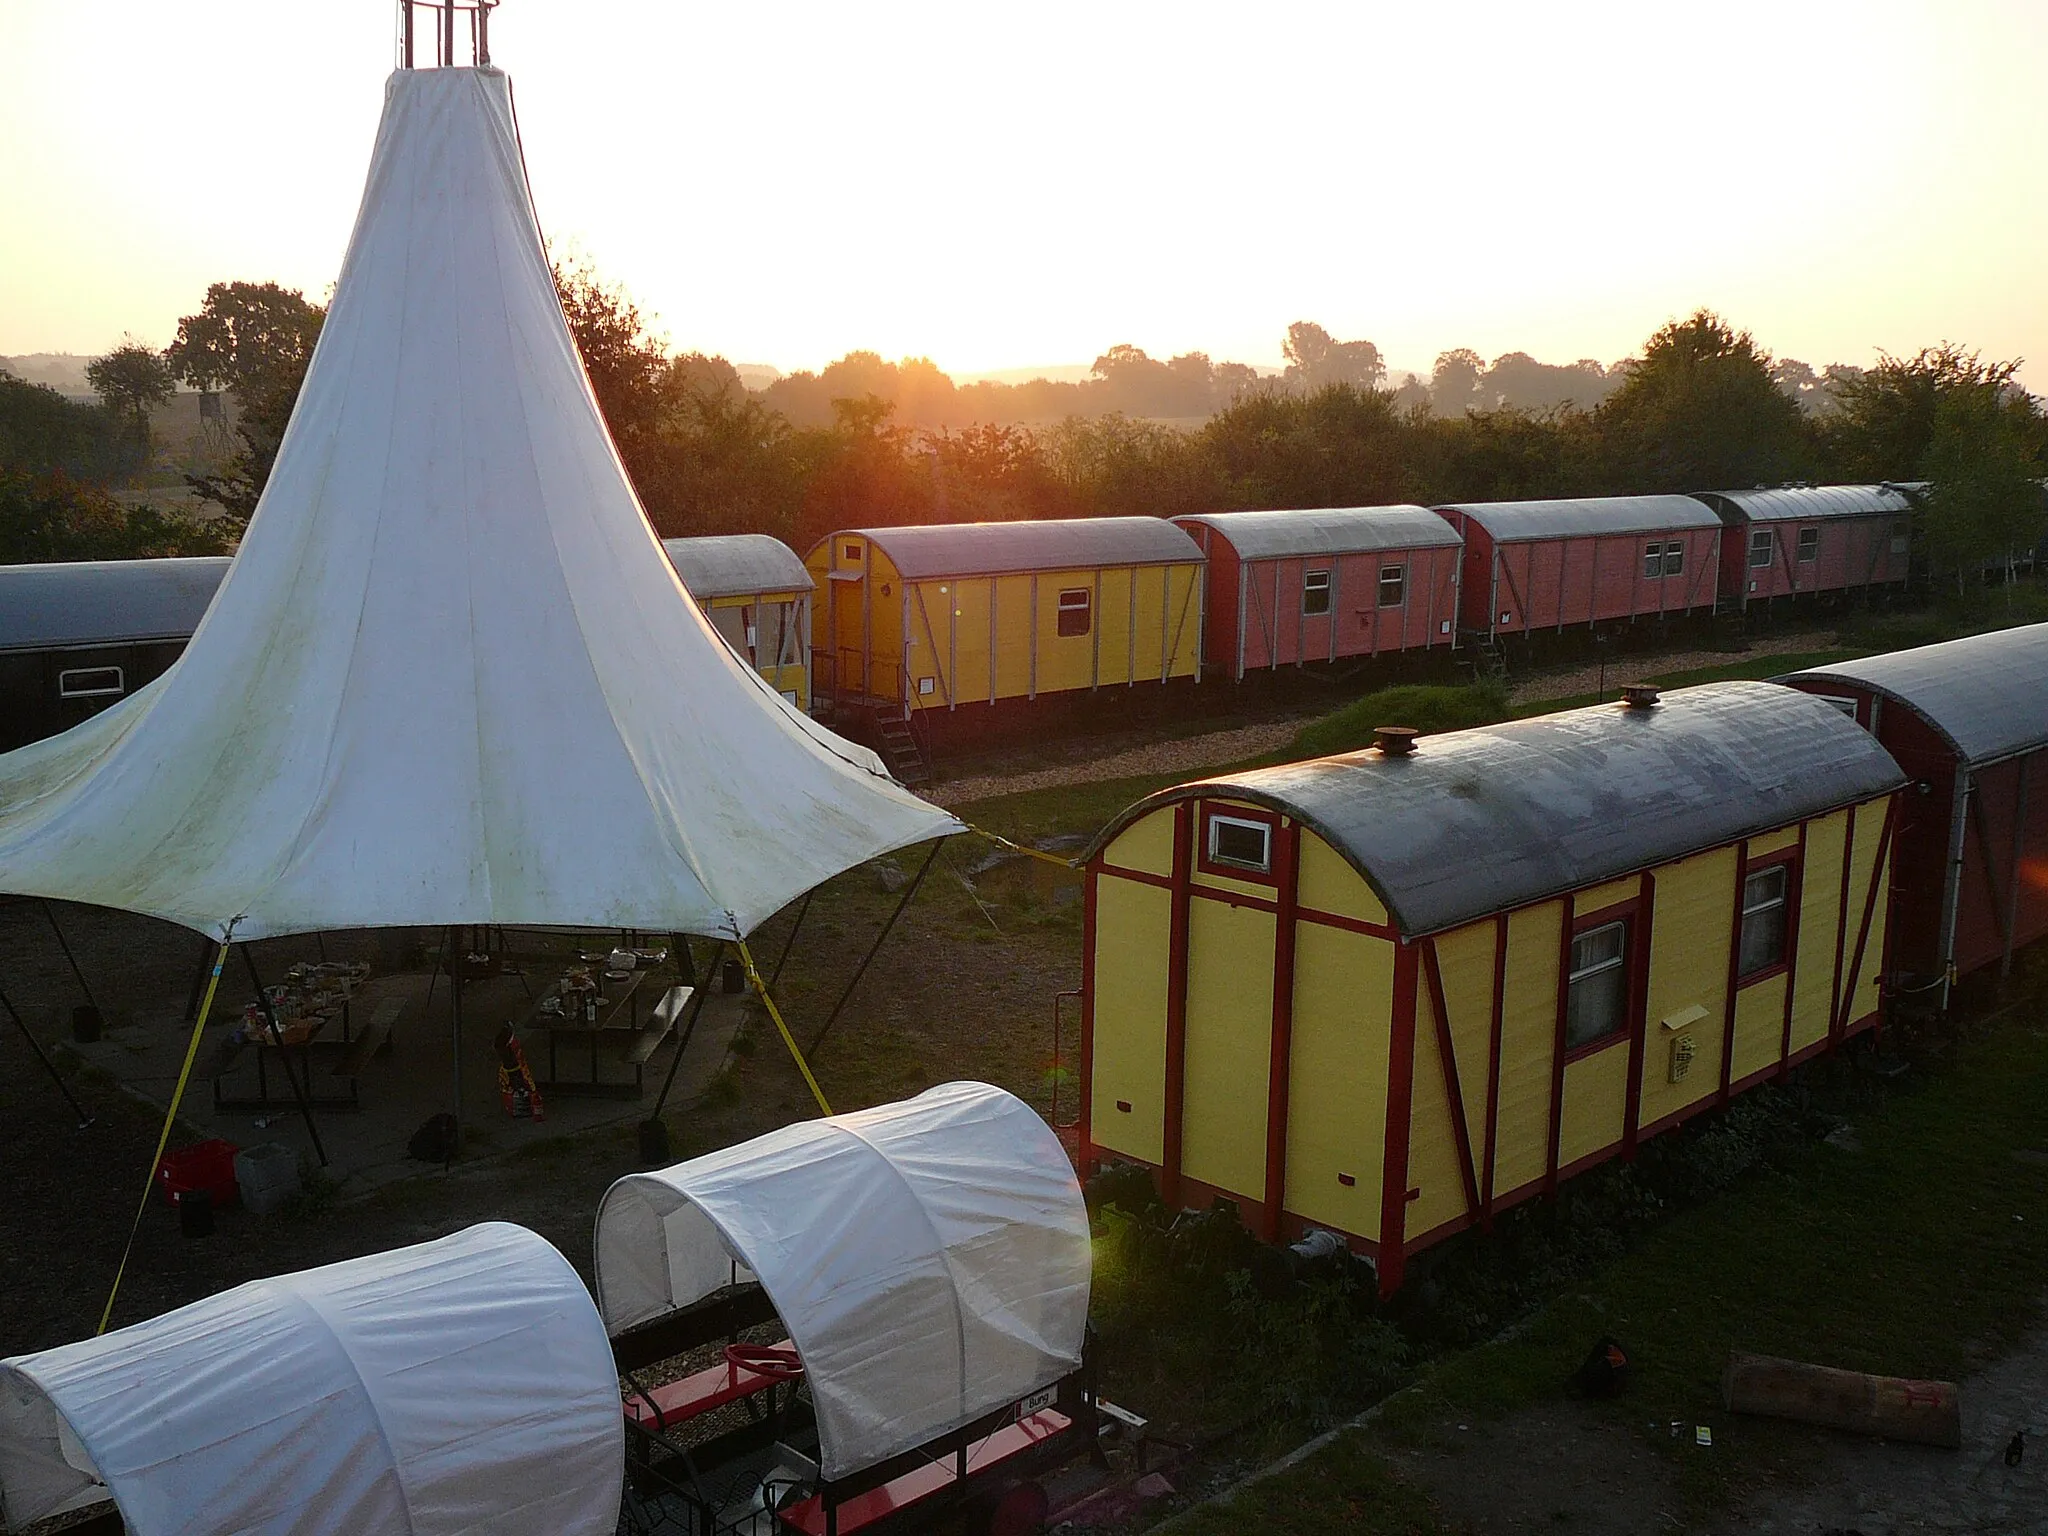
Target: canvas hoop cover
<point>460,1386</point>
<point>929,1258</point>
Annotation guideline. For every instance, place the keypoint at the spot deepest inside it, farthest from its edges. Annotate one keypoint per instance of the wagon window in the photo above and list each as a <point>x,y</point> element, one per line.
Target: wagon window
<point>1315,592</point>
<point>1597,999</point>
<point>1653,559</point>
<point>1074,606</point>
<point>1763,921</point>
<point>1761,548</point>
<point>1392,579</point>
<point>1674,557</point>
<point>1809,544</point>
<point>850,551</point>
<point>90,683</point>
<point>1902,537</point>
<point>1241,844</point>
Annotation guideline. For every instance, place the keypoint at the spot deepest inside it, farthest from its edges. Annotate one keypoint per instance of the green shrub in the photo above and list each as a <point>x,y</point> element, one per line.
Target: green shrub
<point>1428,708</point>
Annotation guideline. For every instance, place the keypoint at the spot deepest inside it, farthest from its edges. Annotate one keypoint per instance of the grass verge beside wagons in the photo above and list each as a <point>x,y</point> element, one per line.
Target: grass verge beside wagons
<point>1389,993</point>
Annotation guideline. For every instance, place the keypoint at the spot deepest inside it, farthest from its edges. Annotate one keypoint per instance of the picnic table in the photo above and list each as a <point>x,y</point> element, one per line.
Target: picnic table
<point>617,1031</point>
<point>313,996</point>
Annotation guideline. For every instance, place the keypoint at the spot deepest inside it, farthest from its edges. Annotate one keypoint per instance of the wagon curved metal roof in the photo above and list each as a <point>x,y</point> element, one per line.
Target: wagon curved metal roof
<point>737,565</point>
<point>105,602</point>
<point>1482,821</point>
<point>1987,695</point>
<point>1046,544</point>
<point>1808,503</point>
<point>1328,531</point>
<point>1515,521</point>
<point>929,1258</point>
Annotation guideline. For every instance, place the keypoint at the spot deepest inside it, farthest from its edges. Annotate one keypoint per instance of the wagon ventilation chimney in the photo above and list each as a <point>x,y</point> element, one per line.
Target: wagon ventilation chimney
<point>1639,695</point>
<point>1394,740</point>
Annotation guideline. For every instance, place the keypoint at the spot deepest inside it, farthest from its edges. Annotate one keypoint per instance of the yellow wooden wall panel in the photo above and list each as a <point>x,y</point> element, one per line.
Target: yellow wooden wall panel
<point>1014,620</point>
<point>1433,1166</point>
<point>1151,644</point>
<point>1595,1103</point>
<point>970,674</point>
<point>1064,661</point>
<point>1465,957</point>
<point>1688,970</point>
<point>1612,894</point>
<point>1113,616</point>
<point>1773,842</point>
<point>1337,1077</point>
<point>1820,905</point>
<point>1759,1027</point>
<point>1329,884</point>
<point>1528,1039</point>
<point>1129,1059</point>
<point>1229,1046</point>
<point>1146,844</point>
<point>1863,870</point>
<point>1184,620</point>
<point>925,654</point>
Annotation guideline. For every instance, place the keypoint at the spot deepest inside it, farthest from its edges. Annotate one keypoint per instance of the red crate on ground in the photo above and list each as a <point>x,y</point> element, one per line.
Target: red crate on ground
<point>207,1165</point>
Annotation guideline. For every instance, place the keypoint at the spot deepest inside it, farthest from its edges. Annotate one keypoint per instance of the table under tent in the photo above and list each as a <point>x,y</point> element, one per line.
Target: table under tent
<point>926,1268</point>
<point>451,679</point>
<point>462,1387</point>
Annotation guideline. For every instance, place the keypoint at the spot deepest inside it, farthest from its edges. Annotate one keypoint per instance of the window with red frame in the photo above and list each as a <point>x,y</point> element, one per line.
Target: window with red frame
<point>1596,998</point>
<point>1765,905</point>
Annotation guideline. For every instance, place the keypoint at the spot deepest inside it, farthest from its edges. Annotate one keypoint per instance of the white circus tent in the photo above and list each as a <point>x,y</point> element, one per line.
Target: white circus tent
<point>451,677</point>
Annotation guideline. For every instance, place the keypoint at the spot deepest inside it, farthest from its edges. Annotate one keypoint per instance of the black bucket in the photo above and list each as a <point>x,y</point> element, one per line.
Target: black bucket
<point>195,1212</point>
<point>85,1023</point>
<point>735,978</point>
<point>653,1142</point>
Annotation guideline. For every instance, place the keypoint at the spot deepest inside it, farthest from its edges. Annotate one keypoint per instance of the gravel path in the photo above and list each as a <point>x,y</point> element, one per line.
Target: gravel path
<point>1631,669</point>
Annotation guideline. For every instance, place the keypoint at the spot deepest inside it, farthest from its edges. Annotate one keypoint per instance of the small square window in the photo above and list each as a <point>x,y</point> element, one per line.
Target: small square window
<point>1762,548</point>
<point>1763,921</point>
<point>1809,544</point>
<point>91,683</point>
<point>1241,844</point>
<point>1596,999</point>
<point>1653,560</point>
<point>1075,603</point>
<point>1315,592</point>
<point>1674,558</point>
<point>851,551</point>
<point>1393,578</point>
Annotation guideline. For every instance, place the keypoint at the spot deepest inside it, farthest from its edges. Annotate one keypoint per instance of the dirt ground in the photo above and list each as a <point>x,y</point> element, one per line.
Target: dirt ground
<point>1557,1467</point>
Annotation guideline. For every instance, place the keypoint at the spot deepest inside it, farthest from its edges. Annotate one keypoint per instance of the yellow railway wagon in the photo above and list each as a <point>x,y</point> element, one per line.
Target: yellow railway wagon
<point>944,617</point>
<point>1388,994</point>
<point>757,594</point>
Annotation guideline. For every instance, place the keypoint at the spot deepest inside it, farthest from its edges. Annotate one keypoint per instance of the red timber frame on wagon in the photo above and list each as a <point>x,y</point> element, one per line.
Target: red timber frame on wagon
<point>1474,1097</point>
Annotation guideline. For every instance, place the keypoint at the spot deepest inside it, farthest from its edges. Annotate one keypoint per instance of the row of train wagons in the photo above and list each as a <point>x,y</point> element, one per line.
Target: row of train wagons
<point>79,636</point>
<point>933,620</point>
<point>1389,994</point>
<point>1968,720</point>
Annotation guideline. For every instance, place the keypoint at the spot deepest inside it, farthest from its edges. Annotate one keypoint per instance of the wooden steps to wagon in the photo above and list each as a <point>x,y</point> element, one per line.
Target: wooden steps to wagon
<point>899,748</point>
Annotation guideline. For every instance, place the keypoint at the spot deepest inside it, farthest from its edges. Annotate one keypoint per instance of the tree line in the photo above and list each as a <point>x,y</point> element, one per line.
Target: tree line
<point>868,442</point>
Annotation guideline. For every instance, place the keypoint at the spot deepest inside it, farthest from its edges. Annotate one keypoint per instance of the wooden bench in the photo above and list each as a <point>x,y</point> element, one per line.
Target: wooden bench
<point>659,1023</point>
<point>674,1402</point>
<point>376,1034</point>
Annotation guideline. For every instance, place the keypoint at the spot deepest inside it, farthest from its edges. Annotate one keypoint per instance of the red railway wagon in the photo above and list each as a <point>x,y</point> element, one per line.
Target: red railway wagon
<point>1537,565</point>
<point>1291,587</point>
<point>1968,719</point>
<point>1816,538</point>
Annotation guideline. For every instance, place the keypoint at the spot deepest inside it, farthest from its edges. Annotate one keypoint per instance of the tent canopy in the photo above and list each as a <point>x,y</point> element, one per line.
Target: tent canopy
<point>451,676</point>
<point>930,1259</point>
<point>460,1386</point>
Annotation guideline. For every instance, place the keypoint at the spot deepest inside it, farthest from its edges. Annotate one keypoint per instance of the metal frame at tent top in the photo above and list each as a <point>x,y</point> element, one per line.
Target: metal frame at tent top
<point>444,30</point>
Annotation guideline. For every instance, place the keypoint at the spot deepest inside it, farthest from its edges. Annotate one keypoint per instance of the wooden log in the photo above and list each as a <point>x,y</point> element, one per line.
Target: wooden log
<point>1890,1407</point>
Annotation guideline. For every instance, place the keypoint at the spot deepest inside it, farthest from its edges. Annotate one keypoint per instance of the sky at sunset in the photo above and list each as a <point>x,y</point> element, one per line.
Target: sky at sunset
<point>997,185</point>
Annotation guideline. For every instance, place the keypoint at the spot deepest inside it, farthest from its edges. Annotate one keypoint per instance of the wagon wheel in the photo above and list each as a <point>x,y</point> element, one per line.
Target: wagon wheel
<point>776,1362</point>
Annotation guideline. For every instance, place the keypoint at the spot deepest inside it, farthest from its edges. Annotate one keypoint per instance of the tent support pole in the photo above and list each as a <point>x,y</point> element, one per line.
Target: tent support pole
<point>874,949</point>
<point>284,1057</point>
<point>455,1031</point>
<point>200,978</point>
<point>49,1066</point>
<point>789,943</point>
<point>50,912</point>
<point>689,1025</point>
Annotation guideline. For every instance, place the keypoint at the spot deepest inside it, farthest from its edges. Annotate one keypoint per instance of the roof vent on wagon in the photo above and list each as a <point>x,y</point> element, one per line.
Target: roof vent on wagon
<point>1395,740</point>
<point>1639,695</point>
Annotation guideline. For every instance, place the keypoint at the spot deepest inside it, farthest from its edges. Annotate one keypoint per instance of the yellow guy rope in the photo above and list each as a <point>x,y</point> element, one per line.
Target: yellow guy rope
<point>170,1119</point>
<point>1004,842</point>
<point>760,986</point>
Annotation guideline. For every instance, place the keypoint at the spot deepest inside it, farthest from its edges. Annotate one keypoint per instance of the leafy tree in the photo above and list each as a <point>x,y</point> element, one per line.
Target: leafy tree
<point>1316,359</point>
<point>53,517</point>
<point>1700,412</point>
<point>1984,501</point>
<point>129,380</point>
<point>42,432</point>
<point>1454,382</point>
<point>1340,446</point>
<point>253,340</point>
<point>1884,420</point>
<point>1516,380</point>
